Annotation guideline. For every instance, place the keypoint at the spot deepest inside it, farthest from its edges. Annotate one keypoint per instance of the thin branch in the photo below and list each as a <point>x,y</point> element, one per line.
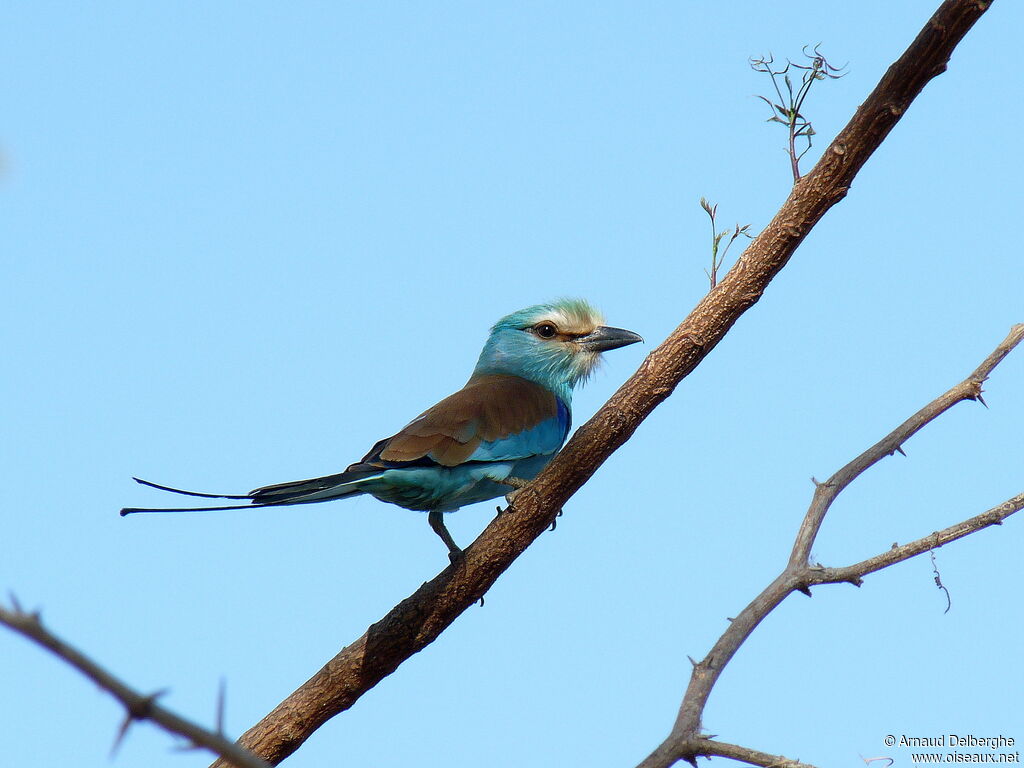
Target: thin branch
<point>800,576</point>
<point>711,748</point>
<point>825,493</point>
<point>137,706</point>
<point>420,618</point>
<point>853,573</point>
<point>691,749</point>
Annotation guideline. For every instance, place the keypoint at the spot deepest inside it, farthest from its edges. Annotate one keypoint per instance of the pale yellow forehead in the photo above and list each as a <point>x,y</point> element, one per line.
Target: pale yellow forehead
<point>572,320</point>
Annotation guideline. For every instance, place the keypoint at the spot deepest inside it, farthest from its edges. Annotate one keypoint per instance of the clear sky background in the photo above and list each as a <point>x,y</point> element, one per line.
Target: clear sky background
<point>241,243</point>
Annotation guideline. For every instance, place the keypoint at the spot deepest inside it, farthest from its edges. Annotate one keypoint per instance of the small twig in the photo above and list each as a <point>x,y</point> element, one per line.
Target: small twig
<point>788,109</point>
<point>716,240</point>
<point>137,706</point>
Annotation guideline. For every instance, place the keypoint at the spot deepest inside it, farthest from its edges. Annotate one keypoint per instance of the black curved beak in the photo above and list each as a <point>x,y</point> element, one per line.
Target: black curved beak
<point>603,338</point>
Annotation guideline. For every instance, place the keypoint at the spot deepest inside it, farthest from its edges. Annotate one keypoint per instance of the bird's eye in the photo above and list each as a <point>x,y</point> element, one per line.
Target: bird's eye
<point>546,330</point>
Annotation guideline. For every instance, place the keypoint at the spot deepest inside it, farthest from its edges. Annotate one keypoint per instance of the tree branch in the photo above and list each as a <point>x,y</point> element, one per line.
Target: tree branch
<point>701,747</point>
<point>826,493</point>
<point>799,575</point>
<point>137,706</point>
<point>852,573</point>
<point>420,618</point>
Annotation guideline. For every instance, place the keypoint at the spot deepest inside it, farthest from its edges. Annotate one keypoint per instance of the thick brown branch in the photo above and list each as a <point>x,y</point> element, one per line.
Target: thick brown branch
<point>416,621</point>
<point>137,706</point>
<point>799,575</point>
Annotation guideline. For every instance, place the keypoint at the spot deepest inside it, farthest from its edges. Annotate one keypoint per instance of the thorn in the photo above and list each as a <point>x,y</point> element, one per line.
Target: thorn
<point>900,451</point>
<point>804,589</point>
<point>499,510</point>
<point>815,481</point>
<point>855,580</point>
<point>481,601</point>
<point>981,400</point>
<point>137,710</point>
<point>730,619</point>
<point>121,733</point>
<point>694,663</point>
<point>221,696</point>
<point>14,602</point>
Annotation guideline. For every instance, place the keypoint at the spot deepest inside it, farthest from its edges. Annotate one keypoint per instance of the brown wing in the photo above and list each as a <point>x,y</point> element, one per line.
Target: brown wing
<point>488,408</point>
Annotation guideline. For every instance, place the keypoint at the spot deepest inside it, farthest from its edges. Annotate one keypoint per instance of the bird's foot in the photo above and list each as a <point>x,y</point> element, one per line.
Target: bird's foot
<point>554,520</point>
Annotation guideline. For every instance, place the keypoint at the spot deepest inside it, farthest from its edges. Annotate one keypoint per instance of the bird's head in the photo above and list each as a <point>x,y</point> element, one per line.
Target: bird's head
<point>556,345</point>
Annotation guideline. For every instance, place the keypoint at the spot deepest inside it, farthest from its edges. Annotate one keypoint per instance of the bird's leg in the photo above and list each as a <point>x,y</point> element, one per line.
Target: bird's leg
<point>436,520</point>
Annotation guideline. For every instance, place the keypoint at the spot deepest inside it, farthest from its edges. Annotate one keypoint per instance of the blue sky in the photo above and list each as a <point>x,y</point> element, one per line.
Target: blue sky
<point>244,243</point>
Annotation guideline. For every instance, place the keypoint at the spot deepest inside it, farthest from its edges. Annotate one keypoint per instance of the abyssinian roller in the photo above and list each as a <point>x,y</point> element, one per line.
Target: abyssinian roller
<point>493,435</point>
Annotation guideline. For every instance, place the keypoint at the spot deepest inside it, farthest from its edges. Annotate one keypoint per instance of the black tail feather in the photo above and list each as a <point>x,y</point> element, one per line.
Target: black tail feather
<point>280,495</point>
<point>140,481</point>
<point>135,510</point>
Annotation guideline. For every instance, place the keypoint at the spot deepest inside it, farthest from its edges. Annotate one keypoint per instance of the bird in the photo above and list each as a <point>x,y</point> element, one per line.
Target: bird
<point>487,440</point>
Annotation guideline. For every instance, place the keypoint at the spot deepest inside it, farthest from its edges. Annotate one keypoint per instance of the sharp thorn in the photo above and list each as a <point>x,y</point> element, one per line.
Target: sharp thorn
<point>121,733</point>
<point>900,451</point>
<point>221,696</point>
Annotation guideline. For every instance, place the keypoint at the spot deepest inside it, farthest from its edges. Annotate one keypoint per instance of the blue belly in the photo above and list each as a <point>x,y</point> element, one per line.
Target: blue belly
<point>445,489</point>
